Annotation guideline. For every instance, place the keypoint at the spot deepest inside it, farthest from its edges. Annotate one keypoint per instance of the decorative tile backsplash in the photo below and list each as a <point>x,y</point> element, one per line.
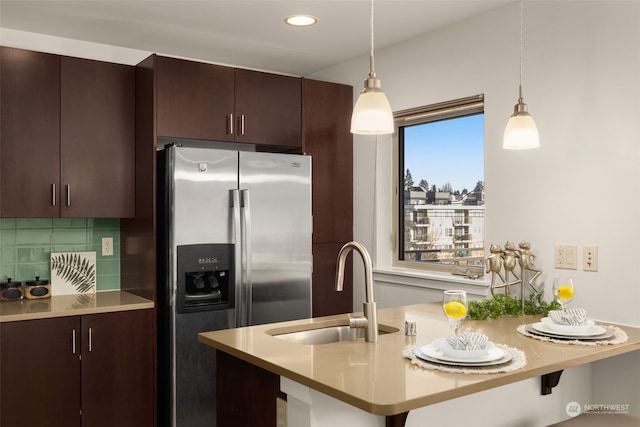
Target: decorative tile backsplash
<point>26,245</point>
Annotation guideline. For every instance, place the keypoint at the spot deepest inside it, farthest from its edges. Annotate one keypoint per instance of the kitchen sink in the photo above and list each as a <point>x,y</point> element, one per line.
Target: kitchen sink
<point>328,334</point>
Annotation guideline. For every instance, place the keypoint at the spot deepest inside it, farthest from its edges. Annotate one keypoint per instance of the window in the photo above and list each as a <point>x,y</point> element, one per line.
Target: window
<point>440,197</point>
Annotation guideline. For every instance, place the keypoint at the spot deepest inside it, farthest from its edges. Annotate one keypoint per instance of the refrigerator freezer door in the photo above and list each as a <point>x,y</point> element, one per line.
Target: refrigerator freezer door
<point>202,182</point>
<point>279,189</point>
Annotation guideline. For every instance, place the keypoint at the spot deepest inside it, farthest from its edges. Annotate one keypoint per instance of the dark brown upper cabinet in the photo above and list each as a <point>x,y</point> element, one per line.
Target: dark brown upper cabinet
<point>97,139</point>
<point>212,102</point>
<point>328,139</point>
<point>268,108</point>
<point>29,133</point>
<point>193,100</point>
<point>67,137</point>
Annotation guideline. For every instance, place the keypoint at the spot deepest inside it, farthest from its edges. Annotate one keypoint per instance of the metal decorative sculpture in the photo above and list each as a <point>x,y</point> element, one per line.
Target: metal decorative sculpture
<point>527,260</point>
<point>494,266</point>
<point>508,259</point>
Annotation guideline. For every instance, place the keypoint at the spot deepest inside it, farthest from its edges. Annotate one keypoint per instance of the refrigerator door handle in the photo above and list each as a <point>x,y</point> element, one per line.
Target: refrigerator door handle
<point>246,258</point>
<point>237,255</point>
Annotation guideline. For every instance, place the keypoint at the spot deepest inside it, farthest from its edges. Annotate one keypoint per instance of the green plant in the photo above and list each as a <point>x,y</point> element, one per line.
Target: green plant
<point>506,305</point>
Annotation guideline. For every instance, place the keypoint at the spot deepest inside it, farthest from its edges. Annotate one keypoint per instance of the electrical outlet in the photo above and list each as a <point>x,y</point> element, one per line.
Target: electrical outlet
<point>281,412</point>
<point>107,246</point>
<point>565,256</point>
<point>590,258</point>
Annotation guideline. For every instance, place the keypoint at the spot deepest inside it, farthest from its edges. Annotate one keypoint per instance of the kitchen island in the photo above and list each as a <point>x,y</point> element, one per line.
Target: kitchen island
<point>364,383</point>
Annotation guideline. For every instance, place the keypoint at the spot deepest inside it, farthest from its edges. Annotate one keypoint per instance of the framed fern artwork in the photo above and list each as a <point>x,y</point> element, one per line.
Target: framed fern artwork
<point>73,273</point>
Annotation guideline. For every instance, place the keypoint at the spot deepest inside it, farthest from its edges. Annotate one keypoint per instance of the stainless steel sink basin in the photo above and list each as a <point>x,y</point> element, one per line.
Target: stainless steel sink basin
<point>328,334</point>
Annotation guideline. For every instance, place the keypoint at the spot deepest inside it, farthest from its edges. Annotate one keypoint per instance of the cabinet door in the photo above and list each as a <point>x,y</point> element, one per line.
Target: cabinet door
<point>30,133</point>
<point>118,369</point>
<point>194,100</point>
<point>268,108</point>
<point>325,299</point>
<point>327,114</point>
<point>97,139</point>
<point>40,373</point>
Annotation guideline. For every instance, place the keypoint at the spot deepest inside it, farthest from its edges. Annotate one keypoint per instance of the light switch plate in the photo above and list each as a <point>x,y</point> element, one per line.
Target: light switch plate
<point>565,256</point>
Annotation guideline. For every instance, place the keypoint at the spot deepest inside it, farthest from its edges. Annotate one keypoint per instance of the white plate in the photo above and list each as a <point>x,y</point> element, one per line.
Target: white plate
<point>433,352</point>
<point>589,332</point>
<point>555,335</point>
<point>421,355</point>
<point>566,329</point>
<point>443,345</point>
<point>605,336</point>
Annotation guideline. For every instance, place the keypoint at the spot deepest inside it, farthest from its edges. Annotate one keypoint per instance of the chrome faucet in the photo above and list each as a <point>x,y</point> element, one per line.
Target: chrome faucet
<point>370,319</point>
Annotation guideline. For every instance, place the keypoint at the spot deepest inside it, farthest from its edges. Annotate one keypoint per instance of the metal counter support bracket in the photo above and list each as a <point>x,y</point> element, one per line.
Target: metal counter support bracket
<point>549,381</point>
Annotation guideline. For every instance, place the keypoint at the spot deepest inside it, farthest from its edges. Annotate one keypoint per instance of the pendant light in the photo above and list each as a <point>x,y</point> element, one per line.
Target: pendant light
<point>372,113</point>
<point>521,132</point>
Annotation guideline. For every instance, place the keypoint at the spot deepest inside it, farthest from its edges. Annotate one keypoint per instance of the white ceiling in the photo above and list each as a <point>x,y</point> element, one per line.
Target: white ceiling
<point>244,33</point>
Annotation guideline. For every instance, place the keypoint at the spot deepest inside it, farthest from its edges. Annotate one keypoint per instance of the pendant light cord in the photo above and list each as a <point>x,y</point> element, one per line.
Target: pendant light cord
<point>372,27</point>
<point>520,89</point>
<point>372,72</point>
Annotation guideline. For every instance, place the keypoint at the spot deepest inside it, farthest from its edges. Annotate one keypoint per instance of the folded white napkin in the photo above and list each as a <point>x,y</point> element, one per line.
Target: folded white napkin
<point>570,316</point>
<point>468,341</point>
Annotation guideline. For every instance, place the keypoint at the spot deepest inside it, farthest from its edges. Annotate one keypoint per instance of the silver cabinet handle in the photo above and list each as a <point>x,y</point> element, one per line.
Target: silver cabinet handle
<point>73,341</point>
<point>241,124</point>
<point>53,194</point>
<point>90,336</point>
<point>230,124</point>
<point>68,188</point>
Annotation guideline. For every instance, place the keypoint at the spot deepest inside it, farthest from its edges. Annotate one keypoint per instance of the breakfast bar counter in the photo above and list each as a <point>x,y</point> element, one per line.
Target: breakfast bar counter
<point>379,380</point>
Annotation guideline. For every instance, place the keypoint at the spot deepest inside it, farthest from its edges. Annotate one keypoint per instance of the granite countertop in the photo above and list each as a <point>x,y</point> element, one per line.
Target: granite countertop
<point>72,305</point>
<point>378,379</point>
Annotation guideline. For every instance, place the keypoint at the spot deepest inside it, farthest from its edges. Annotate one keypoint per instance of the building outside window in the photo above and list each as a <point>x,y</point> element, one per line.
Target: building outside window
<point>440,197</point>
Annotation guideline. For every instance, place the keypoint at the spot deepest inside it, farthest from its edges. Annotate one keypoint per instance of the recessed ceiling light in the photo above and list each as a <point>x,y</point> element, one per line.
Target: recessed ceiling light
<point>301,20</point>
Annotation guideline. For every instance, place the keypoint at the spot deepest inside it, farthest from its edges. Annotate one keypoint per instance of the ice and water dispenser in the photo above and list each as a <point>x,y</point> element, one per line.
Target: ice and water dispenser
<point>205,278</point>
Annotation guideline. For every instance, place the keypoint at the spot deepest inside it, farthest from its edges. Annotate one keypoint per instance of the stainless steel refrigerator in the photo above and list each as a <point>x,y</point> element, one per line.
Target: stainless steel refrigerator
<point>234,249</point>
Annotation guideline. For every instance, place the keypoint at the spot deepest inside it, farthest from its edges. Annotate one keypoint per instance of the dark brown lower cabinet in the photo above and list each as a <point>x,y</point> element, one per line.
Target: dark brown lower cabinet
<point>90,371</point>
<point>246,394</point>
<point>40,373</point>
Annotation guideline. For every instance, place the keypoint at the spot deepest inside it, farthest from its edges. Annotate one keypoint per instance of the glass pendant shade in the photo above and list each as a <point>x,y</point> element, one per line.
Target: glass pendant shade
<point>372,114</point>
<point>521,132</point>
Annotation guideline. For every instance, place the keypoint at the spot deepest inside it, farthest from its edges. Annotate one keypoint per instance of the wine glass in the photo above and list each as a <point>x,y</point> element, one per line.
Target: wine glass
<point>563,290</point>
<point>454,305</point>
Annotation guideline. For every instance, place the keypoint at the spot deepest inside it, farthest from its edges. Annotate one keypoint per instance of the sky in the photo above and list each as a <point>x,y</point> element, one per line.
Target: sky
<point>446,151</point>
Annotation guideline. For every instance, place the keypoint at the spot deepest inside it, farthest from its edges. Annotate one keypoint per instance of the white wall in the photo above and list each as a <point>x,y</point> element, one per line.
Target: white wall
<point>581,82</point>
